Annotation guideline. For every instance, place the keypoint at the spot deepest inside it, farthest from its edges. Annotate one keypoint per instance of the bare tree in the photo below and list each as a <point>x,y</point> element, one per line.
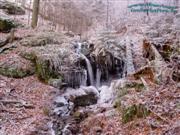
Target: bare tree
<point>35,13</point>
<point>107,15</point>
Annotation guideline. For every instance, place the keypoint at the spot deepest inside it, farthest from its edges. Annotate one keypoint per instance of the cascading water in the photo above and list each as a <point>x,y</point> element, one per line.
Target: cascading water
<point>104,72</point>
<point>89,68</point>
<point>79,47</point>
<point>98,77</point>
<point>84,80</point>
<point>88,64</point>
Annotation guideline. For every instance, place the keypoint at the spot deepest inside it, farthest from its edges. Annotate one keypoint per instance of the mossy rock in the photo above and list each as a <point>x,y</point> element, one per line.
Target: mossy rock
<point>6,24</point>
<point>15,73</point>
<point>16,67</point>
<point>11,8</point>
<point>44,72</point>
<point>80,116</point>
<point>36,41</point>
<point>42,39</point>
<point>28,55</point>
<point>138,86</point>
<point>134,111</point>
<point>125,90</point>
<point>117,104</point>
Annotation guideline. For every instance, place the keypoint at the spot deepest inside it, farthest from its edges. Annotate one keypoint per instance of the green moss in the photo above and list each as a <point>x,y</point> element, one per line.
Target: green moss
<point>46,111</point>
<point>134,111</point>
<point>44,72</point>
<point>29,56</point>
<point>125,90</point>
<point>117,104</point>
<point>122,92</point>
<point>138,86</point>
<point>15,73</point>
<point>6,25</point>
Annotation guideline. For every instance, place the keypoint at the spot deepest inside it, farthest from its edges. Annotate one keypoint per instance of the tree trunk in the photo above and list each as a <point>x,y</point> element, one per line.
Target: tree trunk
<point>35,13</point>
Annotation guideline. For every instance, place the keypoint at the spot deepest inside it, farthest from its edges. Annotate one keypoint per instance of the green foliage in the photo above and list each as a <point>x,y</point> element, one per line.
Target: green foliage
<point>6,25</point>
<point>15,73</point>
<point>125,90</point>
<point>134,111</point>
<point>46,111</point>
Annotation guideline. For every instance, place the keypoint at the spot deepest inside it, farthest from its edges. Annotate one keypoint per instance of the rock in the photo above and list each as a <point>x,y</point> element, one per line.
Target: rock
<point>83,96</point>
<point>15,66</point>
<point>54,61</point>
<point>152,34</point>
<point>109,56</point>
<point>6,23</point>
<point>61,111</point>
<point>11,8</point>
<point>42,39</point>
<point>80,115</point>
<point>57,83</point>
<point>60,101</point>
<point>62,107</point>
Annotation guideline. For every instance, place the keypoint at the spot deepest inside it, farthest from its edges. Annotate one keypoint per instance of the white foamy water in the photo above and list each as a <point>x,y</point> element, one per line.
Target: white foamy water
<point>89,68</point>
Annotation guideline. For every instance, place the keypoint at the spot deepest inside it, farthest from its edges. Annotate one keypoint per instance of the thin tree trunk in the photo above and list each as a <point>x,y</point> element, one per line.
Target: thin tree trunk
<point>35,13</point>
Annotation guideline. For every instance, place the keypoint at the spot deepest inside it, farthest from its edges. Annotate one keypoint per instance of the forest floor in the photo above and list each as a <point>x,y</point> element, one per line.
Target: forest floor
<point>25,105</point>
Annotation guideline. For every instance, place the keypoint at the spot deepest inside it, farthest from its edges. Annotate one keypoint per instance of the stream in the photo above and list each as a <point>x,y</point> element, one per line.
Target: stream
<point>95,91</point>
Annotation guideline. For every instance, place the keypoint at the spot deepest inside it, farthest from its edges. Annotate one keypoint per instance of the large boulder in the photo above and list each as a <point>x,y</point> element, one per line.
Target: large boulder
<point>42,39</point>
<point>109,55</point>
<point>15,66</point>
<point>11,8</point>
<point>6,23</point>
<point>54,61</point>
<point>83,96</point>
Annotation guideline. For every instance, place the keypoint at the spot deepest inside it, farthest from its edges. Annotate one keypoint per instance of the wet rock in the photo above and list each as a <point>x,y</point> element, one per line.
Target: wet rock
<point>65,126</point>
<point>62,106</point>
<point>60,101</point>
<point>57,83</point>
<point>83,96</point>
<point>6,23</point>
<point>109,56</point>
<point>15,66</point>
<point>11,8</point>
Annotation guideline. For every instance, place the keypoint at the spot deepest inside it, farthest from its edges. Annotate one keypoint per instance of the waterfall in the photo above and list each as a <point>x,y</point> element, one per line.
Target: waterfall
<point>98,77</point>
<point>78,50</point>
<point>84,79</point>
<point>89,68</point>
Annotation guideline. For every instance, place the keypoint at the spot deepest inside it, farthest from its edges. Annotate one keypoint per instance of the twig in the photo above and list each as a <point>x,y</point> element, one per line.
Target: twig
<point>144,83</point>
